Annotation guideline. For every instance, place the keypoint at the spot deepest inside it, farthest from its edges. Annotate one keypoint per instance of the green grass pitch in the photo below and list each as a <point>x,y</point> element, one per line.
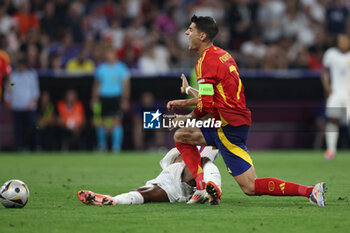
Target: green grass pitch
<point>55,178</point>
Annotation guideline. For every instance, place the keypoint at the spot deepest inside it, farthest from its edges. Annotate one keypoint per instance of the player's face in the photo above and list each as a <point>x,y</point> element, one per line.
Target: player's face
<point>343,43</point>
<point>194,37</point>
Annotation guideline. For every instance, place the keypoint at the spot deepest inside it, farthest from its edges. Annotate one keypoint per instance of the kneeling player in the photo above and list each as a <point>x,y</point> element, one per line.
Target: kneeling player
<point>174,184</point>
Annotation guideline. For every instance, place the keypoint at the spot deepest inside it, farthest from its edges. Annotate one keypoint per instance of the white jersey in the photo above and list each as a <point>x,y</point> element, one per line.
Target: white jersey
<point>339,65</point>
<point>170,179</point>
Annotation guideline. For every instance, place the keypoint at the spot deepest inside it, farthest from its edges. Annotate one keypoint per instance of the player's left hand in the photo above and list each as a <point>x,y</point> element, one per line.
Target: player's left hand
<point>184,84</point>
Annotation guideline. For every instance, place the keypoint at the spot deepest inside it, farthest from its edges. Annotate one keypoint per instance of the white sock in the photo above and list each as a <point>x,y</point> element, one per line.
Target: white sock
<point>332,133</point>
<point>129,198</point>
<point>211,173</point>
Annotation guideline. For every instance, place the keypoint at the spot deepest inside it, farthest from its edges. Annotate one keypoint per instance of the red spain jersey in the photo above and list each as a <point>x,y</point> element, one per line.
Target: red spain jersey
<point>227,103</point>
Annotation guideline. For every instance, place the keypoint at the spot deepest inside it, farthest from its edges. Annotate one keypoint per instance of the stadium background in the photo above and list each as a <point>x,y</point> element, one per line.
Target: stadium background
<point>278,46</point>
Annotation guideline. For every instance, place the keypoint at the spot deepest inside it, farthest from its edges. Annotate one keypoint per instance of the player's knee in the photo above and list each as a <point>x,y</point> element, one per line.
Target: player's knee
<point>181,136</point>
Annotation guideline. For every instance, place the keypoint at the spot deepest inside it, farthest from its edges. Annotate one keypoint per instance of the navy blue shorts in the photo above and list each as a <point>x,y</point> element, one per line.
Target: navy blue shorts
<point>231,142</point>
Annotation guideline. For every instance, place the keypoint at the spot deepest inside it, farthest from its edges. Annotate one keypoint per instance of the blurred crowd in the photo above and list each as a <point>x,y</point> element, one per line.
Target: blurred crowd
<point>148,35</point>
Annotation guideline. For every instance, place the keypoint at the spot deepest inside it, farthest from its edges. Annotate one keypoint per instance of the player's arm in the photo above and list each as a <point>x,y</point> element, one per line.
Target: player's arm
<point>187,89</point>
<point>326,81</point>
<point>185,103</point>
<point>181,104</point>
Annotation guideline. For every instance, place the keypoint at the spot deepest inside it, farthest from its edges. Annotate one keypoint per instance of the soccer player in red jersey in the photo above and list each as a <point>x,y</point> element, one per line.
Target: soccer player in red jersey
<point>221,93</point>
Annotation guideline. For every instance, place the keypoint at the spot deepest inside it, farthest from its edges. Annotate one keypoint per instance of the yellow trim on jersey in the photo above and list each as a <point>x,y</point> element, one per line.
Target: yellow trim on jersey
<point>239,88</point>
<point>199,170</point>
<point>233,148</point>
<point>199,103</point>
<point>199,65</point>
<point>221,91</point>
<point>223,121</point>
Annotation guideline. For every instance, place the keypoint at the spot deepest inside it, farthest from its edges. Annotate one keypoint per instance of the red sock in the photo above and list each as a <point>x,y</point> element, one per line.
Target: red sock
<point>276,187</point>
<point>192,159</point>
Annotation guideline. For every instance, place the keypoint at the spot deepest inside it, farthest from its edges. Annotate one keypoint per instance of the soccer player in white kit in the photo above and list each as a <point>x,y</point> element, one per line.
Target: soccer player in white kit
<point>175,183</point>
<point>336,82</point>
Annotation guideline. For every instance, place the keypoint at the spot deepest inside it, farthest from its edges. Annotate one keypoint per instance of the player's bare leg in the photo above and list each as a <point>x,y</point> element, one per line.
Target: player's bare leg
<point>147,193</point>
<point>332,134</point>
<point>186,140</point>
<point>251,185</point>
<point>153,193</point>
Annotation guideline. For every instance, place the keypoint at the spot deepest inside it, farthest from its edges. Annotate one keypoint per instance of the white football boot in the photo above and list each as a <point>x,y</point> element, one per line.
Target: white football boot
<point>199,197</point>
<point>317,195</point>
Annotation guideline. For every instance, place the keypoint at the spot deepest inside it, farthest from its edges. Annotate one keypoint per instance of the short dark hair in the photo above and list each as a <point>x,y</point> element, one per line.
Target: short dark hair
<point>207,25</point>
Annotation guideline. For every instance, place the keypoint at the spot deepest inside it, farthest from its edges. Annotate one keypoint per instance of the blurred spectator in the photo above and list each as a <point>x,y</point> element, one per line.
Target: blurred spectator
<point>112,89</point>
<point>98,20</point>
<point>301,60</point>
<point>47,123</point>
<point>166,22</point>
<point>155,59</point>
<point>240,18</point>
<point>6,22</point>
<point>80,64</point>
<point>55,63</point>
<point>275,58</point>
<point>115,34</point>
<point>67,49</point>
<point>24,18</point>
<point>72,21</point>
<point>337,17</point>
<point>269,16</point>
<point>22,97</point>
<point>49,22</point>
<point>72,120</point>
<point>130,52</point>
<point>253,50</point>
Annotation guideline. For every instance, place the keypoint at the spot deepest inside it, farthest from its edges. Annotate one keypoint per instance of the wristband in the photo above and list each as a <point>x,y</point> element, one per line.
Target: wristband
<point>187,88</point>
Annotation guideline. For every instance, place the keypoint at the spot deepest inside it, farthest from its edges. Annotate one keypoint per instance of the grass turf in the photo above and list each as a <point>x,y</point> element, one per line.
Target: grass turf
<point>55,178</point>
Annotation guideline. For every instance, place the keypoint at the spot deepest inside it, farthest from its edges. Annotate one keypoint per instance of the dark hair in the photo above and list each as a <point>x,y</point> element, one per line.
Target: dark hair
<point>207,25</point>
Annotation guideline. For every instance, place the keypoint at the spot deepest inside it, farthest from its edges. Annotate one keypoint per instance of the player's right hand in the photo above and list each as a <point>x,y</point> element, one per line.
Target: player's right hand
<point>170,105</point>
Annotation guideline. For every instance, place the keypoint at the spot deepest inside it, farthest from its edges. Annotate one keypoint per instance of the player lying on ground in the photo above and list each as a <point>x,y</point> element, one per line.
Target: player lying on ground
<point>174,184</point>
<point>221,93</point>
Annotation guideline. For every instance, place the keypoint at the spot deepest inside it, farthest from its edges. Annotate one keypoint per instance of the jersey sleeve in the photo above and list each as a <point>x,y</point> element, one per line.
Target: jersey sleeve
<point>327,58</point>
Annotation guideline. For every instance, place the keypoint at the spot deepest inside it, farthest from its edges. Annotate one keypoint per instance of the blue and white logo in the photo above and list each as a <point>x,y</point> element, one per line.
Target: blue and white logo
<point>151,120</point>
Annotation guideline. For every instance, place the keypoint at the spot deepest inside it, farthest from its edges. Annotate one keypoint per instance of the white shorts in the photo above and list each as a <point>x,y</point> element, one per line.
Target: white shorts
<point>170,181</point>
<point>338,106</point>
